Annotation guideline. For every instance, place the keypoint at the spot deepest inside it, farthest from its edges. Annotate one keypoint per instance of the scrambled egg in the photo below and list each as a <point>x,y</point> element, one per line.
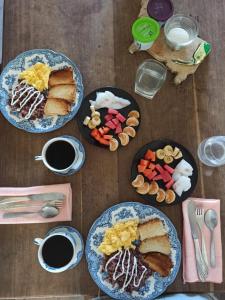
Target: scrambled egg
<point>37,76</point>
<point>122,234</point>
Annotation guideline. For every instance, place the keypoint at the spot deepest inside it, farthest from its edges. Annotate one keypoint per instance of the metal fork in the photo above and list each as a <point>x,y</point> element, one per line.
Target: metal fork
<point>200,220</point>
<point>56,203</point>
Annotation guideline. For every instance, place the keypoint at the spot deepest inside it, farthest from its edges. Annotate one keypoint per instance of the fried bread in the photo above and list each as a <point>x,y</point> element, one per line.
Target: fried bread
<point>159,263</point>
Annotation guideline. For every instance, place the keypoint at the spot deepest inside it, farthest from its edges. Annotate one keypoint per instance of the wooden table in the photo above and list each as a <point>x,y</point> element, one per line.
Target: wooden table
<point>96,35</point>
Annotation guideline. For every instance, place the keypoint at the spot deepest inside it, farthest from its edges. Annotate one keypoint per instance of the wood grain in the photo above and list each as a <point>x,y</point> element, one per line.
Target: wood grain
<point>96,35</point>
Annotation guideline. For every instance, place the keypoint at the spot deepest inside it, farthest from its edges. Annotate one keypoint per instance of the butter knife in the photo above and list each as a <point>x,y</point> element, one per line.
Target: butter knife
<point>34,197</point>
<point>202,269</point>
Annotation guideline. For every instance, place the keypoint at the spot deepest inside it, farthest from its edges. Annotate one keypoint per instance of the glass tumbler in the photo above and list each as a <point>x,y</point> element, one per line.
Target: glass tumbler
<point>211,151</point>
<point>150,77</point>
<point>180,31</point>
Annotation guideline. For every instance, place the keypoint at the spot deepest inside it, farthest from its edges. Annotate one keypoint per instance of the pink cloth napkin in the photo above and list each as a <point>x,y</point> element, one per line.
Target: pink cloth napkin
<point>65,212</point>
<point>189,266</point>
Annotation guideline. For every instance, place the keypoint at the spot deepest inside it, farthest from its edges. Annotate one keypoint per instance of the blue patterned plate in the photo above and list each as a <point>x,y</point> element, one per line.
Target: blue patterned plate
<point>8,80</point>
<point>155,284</point>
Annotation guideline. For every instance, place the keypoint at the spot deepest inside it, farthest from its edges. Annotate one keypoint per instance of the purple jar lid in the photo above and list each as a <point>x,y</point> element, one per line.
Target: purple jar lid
<point>160,10</point>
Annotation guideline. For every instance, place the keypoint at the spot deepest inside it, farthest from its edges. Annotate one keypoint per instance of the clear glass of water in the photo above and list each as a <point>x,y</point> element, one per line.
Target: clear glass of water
<point>211,151</point>
<point>150,77</point>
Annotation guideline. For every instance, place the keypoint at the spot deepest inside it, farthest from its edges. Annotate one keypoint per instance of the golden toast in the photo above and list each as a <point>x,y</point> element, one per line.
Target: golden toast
<point>55,107</point>
<point>63,91</point>
<point>151,229</point>
<point>156,244</point>
<point>64,76</point>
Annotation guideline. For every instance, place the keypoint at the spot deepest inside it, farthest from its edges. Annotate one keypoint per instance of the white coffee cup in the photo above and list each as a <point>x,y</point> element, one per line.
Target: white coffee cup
<point>45,148</point>
<point>67,233</point>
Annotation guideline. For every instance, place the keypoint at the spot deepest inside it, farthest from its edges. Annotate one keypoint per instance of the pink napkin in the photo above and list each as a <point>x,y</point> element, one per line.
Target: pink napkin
<point>65,212</point>
<point>189,267</point>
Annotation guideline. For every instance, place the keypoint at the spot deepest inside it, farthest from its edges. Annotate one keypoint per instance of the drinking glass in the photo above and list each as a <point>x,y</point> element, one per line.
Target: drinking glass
<point>180,31</point>
<point>150,77</point>
<point>211,151</point>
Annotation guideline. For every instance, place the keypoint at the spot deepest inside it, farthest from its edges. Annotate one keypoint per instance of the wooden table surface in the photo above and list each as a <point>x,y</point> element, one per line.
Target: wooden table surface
<point>96,35</point>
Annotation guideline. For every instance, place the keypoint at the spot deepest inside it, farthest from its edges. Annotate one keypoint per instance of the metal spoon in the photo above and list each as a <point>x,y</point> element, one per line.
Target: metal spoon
<point>211,221</point>
<point>46,211</point>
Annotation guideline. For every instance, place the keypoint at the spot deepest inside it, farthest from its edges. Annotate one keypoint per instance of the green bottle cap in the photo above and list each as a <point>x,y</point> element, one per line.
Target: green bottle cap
<point>145,30</point>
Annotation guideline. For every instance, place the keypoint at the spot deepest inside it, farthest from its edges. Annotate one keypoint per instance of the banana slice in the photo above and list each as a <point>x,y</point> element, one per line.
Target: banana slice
<point>168,159</point>
<point>179,155</point>
<point>95,114</point>
<point>160,153</point>
<point>134,113</point>
<point>168,150</point>
<point>175,151</point>
<point>130,131</point>
<point>92,108</point>
<point>91,125</point>
<point>124,138</point>
<point>86,120</point>
<point>113,144</point>
<point>144,189</point>
<point>160,195</point>
<point>154,188</point>
<point>138,181</point>
<point>96,121</point>
<point>170,196</point>
<point>132,121</point>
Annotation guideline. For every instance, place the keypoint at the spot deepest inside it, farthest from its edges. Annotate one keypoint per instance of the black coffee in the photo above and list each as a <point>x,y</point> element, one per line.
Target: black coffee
<point>60,155</point>
<point>57,251</point>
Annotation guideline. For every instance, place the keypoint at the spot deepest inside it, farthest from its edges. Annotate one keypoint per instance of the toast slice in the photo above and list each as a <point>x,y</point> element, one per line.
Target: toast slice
<point>56,107</point>
<point>64,76</point>
<point>151,228</point>
<point>159,244</point>
<point>159,263</point>
<point>63,91</point>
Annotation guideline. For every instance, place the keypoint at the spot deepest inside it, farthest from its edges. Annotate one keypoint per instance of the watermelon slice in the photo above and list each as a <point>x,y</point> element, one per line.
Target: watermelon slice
<point>118,129</point>
<point>169,184</point>
<point>151,166</point>
<point>152,175</point>
<point>158,177</point>
<point>169,169</point>
<point>159,168</point>
<point>141,168</point>
<point>150,155</point>
<point>115,121</point>
<point>110,124</point>
<point>107,137</point>
<point>101,131</point>
<point>147,172</point>
<point>121,118</point>
<point>108,117</point>
<point>112,111</point>
<point>166,176</point>
<point>144,162</point>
